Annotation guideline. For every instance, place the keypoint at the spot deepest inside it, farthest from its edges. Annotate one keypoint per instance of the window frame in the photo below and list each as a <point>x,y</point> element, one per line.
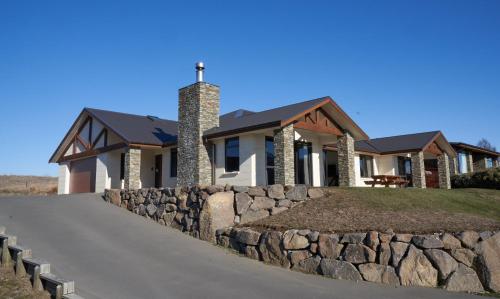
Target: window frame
<point>361,164</point>
<point>122,166</point>
<point>236,167</point>
<point>172,150</point>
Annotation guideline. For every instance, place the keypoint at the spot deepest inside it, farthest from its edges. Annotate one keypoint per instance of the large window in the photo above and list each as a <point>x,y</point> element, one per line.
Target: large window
<point>232,154</point>
<point>270,160</point>
<point>366,166</point>
<point>462,163</point>
<point>173,163</point>
<point>303,163</point>
<point>489,162</point>
<point>122,166</point>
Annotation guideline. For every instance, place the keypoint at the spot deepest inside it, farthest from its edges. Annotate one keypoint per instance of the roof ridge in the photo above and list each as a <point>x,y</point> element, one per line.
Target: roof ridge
<point>129,114</point>
<point>411,134</point>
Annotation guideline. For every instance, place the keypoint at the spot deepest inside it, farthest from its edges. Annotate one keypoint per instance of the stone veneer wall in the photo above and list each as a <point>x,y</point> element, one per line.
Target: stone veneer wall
<point>466,261</point>
<point>284,164</point>
<point>453,166</point>
<point>444,171</point>
<point>347,175</point>
<point>132,175</point>
<point>198,112</point>
<point>418,170</point>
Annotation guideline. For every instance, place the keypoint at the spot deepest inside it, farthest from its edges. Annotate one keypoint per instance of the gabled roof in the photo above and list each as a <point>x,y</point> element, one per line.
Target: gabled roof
<point>244,120</point>
<point>403,143</point>
<point>138,129</point>
<point>473,148</point>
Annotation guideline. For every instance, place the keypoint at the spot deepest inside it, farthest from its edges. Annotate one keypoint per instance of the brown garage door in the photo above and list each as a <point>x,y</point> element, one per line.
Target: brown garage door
<point>82,177</point>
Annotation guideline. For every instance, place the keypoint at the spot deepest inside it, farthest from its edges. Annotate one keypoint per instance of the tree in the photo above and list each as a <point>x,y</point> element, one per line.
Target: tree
<point>484,143</point>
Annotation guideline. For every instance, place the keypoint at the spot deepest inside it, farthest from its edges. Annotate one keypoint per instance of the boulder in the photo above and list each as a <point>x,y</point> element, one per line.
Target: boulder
<point>403,238</point>
<point>313,248</point>
<point>217,212</point>
<point>251,252</point>
<point>487,262</point>
<point>276,191</point>
<point>275,210</point>
<point>151,209</point>
<point>308,265</point>
<point>172,200</point>
<point>427,241</point>
<point>384,254</point>
<point>214,189</point>
<point>450,242</point>
<point>292,240</point>
<point>256,191</point>
<point>379,273</point>
<point>339,270</point>
<point>247,236</point>
<point>416,270</point>
<point>313,236</point>
<point>463,255</point>
<point>353,238</point>
<point>442,261</point>
<point>242,201</point>
<point>240,189</point>
<point>398,250</point>
<point>170,208</point>
<point>372,240</point>
<point>114,196</point>
<point>251,216</point>
<point>385,237</point>
<point>485,235</point>
<point>168,218</point>
<point>160,210</point>
<point>285,203</point>
<point>271,249</point>
<point>262,203</point>
<point>296,193</point>
<point>359,254</point>
<point>315,193</point>
<point>297,256</point>
<point>469,238</point>
<point>327,245</point>
<point>464,279</point>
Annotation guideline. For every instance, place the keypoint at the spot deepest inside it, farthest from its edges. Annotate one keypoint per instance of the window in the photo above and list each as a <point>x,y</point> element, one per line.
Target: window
<point>122,166</point>
<point>270,160</point>
<point>489,162</point>
<point>173,163</point>
<point>366,166</point>
<point>232,154</point>
<point>303,163</point>
<point>462,163</point>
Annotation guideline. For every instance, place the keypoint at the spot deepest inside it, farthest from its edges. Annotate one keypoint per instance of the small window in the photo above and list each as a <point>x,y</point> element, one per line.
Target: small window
<point>366,166</point>
<point>122,166</point>
<point>232,154</point>
<point>173,163</point>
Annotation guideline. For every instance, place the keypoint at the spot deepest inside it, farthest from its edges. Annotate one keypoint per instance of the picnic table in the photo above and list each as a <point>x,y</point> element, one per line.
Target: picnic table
<point>387,180</point>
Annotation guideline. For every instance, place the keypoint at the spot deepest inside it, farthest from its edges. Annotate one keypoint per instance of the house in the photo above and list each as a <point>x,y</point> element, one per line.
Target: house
<point>472,158</point>
<point>312,142</point>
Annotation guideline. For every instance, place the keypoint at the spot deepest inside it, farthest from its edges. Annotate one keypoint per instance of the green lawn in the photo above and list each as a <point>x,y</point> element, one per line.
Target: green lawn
<point>481,202</point>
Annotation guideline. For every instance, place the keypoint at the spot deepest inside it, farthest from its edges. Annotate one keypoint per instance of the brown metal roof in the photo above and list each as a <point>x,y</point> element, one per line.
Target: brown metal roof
<point>473,148</point>
<point>394,144</point>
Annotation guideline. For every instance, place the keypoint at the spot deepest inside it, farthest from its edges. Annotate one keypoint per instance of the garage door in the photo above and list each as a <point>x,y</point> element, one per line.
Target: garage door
<point>82,177</point>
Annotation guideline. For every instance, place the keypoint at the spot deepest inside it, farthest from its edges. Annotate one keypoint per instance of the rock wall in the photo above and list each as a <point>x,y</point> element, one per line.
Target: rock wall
<point>200,211</point>
<point>467,261</point>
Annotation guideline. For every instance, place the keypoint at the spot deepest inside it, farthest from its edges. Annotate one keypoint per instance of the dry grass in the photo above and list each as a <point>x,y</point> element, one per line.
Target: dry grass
<point>27,185</point>
<point>402,210</point>
<point>17,288</point>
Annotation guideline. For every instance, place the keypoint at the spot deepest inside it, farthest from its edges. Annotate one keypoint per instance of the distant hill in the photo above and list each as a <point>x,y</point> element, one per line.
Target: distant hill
<point>27,184</point>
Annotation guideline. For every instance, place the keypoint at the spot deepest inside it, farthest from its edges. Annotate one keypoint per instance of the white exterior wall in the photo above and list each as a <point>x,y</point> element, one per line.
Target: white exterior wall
<point>167,180</point>
<point>101,173</point>
<point>147,168</point>
<point>113,163</point>
<point>246,176</point>
<point>63,180</point>
<point>387,165</point>
<point>382,165</point>
<point>317,156</point>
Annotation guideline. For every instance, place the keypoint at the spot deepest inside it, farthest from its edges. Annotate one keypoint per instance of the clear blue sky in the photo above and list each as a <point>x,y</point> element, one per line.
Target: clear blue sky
<point>395,66</point>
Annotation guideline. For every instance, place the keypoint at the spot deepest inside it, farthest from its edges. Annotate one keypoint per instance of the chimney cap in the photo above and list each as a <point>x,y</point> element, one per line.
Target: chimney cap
<point>200,65</point>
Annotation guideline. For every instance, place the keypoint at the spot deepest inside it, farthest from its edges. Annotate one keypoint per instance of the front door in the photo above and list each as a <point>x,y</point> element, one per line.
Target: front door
<point>158,167</point>
<point>270,160</point>
<point>431,173</point>
<point>303,163</point>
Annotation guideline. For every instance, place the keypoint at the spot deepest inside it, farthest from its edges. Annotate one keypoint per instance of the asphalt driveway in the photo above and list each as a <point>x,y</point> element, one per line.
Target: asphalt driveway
<point>111,253</point>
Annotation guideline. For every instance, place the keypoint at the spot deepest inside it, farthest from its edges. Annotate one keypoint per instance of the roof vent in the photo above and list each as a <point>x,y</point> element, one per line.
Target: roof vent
<point>152,117</point>
<point>239,113</point>
<point>200,66</point>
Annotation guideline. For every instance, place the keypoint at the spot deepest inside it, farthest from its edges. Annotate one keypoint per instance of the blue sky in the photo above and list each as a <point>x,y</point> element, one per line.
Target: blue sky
<point>395,66</point>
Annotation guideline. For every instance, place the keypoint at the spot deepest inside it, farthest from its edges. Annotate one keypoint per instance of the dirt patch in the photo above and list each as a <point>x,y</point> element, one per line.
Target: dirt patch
<point>17,288</point>
<point>343,212</point>
<point>27,185</point>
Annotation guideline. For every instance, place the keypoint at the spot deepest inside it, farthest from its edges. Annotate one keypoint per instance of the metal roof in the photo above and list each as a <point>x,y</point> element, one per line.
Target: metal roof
<point>473,148</point>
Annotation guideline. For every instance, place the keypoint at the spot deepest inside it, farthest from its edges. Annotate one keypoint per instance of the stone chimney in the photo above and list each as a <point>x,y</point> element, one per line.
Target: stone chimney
<point>198,112</point>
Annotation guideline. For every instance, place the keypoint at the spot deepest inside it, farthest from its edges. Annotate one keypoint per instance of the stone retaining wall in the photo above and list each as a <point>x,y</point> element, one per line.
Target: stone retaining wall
<point>200,211</point>
<point>467,261</point>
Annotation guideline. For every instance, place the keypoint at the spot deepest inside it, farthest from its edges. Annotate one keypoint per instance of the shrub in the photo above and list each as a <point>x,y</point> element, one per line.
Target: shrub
<point>484,179</point>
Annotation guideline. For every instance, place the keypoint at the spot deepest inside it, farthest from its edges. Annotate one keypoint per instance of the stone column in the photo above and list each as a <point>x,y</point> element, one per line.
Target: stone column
<point>470,163</point>
<point>345,147</point>
<point>284,164</point>
<point>453,166</point>
<point>444,171</point>
<point>132,175</point>
<point>418,170</point>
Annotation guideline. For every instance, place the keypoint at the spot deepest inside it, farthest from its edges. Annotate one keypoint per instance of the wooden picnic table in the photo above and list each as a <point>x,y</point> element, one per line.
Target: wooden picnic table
<point>387,180</point>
